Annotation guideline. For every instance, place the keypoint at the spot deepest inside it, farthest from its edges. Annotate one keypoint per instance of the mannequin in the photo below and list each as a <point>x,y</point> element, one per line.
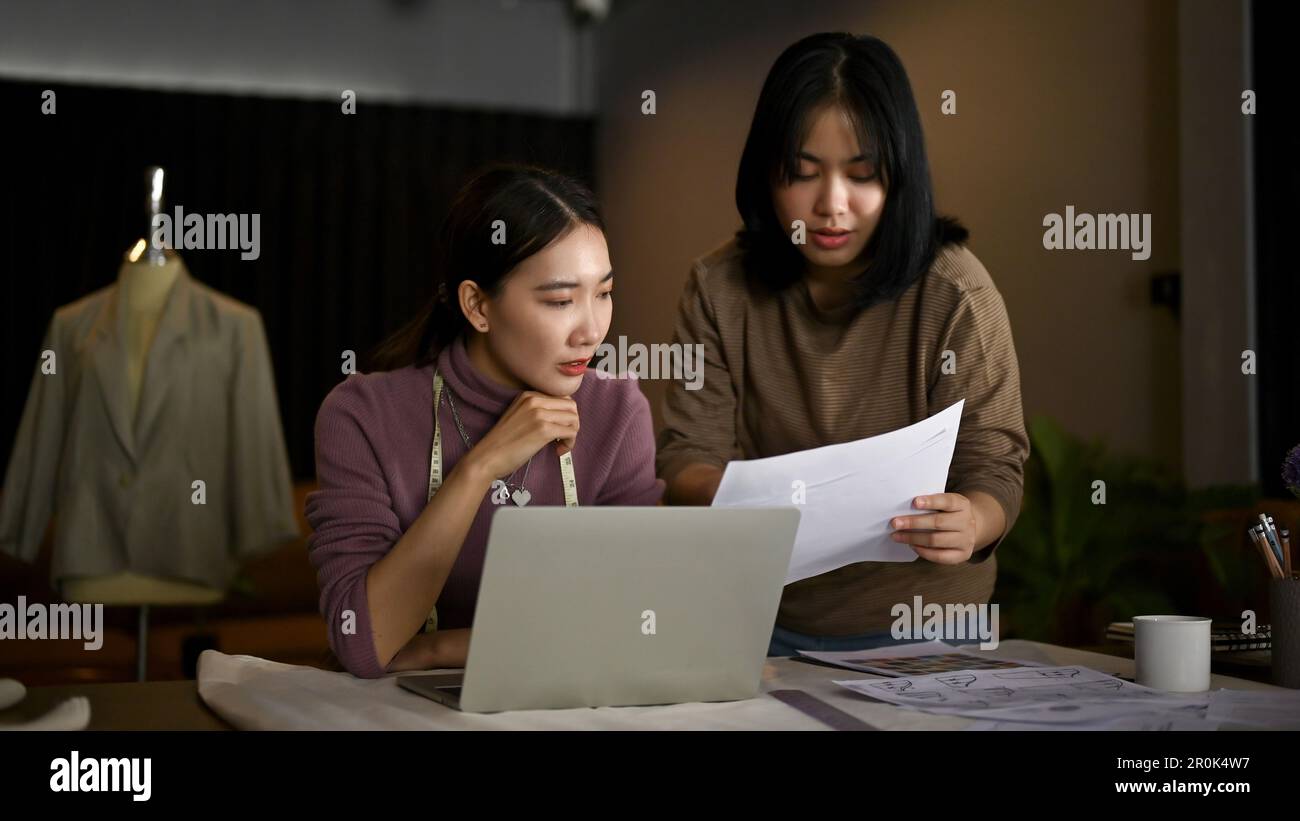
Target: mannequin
<point>144,281</point>
<point>143,286</point>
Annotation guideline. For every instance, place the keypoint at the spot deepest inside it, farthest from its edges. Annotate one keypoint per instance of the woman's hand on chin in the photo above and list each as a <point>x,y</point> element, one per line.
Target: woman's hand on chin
<point>531,422</point>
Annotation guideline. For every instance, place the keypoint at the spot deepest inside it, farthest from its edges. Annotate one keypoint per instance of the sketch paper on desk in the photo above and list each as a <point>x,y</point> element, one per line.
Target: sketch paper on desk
<point>847,493</point>
<point>917,659</point>
<point>1036,694</point>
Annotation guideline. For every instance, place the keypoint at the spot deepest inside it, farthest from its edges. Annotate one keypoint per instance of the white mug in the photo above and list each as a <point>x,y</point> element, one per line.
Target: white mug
<point>1172,652</point>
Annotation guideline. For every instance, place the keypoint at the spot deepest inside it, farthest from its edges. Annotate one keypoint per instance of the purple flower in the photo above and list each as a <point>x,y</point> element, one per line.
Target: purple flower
<point>1291,471</point>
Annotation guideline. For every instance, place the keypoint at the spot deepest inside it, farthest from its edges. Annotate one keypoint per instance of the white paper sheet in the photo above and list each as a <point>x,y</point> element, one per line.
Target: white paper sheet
<point>850,491</point>
<point>861,660</point>
<point>1049,695</point>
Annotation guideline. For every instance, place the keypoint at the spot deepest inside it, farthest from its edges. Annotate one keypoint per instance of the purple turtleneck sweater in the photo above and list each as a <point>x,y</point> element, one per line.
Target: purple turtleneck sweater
<point>373,437</point>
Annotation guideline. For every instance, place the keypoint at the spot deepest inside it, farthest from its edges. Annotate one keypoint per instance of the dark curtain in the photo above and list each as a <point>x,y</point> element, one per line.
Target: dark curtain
<point>349,208</point>
<point>1277,190</point>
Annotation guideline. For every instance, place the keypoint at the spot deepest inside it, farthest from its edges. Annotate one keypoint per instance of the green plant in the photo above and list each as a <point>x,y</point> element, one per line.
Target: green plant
<point>1072,564</point>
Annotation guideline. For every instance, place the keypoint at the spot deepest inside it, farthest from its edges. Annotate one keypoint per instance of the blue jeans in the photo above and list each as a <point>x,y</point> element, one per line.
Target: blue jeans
<point>787,642</point>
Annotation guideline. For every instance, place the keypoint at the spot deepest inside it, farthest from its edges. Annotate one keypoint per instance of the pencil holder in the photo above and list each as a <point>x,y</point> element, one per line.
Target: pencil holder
<point>1284,607</point>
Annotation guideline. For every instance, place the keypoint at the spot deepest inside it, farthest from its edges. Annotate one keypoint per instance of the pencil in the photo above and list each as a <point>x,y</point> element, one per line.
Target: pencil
<point>1286,552</point>
<point>1261,543</point>
<point>1270,538</point>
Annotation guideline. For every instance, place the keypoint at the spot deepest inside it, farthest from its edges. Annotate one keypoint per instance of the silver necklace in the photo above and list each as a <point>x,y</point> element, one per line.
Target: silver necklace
<point>501,488</point>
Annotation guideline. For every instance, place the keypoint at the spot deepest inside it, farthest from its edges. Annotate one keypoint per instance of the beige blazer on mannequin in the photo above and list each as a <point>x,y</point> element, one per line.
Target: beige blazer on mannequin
<point>122,490</point>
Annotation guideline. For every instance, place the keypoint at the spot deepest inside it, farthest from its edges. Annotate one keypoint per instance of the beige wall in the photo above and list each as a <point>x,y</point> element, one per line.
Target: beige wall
<point>1058,103</point>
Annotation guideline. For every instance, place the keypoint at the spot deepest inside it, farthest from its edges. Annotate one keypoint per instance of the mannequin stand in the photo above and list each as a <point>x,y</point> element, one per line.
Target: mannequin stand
<point>133,590</point>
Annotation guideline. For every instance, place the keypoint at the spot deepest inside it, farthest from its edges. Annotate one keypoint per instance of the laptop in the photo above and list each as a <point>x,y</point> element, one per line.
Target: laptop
<point>620,606</point>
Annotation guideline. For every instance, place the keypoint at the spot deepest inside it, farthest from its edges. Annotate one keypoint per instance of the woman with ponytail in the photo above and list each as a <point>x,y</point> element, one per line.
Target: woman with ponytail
<point>522,299</point>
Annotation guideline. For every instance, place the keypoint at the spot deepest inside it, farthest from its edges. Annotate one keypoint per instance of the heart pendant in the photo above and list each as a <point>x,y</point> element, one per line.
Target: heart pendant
<point>521,497</point>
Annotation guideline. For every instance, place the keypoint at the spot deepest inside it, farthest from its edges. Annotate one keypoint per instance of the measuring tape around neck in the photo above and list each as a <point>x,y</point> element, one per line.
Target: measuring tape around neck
<point>435,475</point>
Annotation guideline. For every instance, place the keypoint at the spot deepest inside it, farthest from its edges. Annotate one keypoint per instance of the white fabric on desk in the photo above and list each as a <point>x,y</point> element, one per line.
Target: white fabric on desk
<point>256,694</point>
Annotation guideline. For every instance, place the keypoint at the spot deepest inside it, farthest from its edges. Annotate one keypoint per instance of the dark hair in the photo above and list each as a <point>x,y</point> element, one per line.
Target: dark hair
<point>537,206</point>
<point>866,79</point>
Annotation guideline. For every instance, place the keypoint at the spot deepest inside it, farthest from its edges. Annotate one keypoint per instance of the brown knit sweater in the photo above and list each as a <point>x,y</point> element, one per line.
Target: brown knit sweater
<point>782,375</point>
